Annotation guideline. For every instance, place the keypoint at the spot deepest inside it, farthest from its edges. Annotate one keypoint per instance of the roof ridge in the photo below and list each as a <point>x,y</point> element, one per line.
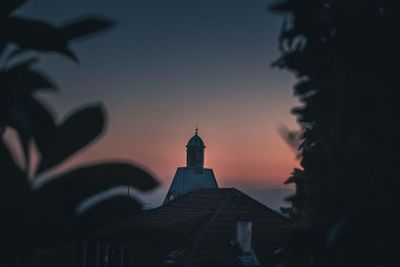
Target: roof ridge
<point>264,206</point>
<point>207,225</point>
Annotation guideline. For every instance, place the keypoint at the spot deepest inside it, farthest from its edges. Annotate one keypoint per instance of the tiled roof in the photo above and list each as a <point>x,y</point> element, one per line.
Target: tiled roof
<point>206,221</point>
<point>211,247</point>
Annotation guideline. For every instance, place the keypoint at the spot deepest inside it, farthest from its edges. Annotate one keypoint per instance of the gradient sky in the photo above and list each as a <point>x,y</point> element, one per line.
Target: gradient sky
<point>169,64</point>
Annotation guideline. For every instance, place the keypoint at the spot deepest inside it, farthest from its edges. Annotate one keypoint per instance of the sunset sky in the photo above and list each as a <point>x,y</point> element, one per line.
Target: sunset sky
<point>168,64</point>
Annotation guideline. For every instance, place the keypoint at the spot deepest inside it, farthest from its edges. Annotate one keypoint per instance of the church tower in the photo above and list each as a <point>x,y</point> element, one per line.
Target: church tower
<point>195,153</point>
<point>194,176</point>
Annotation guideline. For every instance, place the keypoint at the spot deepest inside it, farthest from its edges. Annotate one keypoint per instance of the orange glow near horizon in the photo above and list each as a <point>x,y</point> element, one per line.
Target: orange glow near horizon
<point>210,64</point>
<point>240,158</point>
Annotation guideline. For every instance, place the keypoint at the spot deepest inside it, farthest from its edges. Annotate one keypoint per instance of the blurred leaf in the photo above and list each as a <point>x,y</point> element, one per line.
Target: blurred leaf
<point>25,114</point>
<point>85,27</point>
<point>27,63</point>
<point>13,180</point>
<point>303,87</point>
<point>66,51</point>
<point>21,79</point>
<point>291,137</point>
<point>72,187</point>
<point>25,140</point>
<point>283,6</point>
<point>41,36</point>
<point>37,35</point>
<point>73,134</point>
<point>117,206</point>
<point>8,6</point>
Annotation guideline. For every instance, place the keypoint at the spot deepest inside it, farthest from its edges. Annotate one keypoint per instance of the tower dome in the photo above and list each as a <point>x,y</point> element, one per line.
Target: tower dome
<point>195,152</point>
<point>195,141</point>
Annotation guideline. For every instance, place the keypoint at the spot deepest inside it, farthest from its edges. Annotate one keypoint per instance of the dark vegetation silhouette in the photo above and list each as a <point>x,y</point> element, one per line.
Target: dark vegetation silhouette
<point>33,219</point>
<point>344,55</point>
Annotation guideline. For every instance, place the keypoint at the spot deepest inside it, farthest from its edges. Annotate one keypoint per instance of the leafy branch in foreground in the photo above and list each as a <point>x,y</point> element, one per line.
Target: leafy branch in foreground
<point>342,53</point>
<point>32,218</point>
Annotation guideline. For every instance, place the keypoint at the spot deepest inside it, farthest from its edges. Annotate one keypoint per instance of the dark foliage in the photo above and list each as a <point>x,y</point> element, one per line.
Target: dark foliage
<point>344,54</point>
<point>46,217</point>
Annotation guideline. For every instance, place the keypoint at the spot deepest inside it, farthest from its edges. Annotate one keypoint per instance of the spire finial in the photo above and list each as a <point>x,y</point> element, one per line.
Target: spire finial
<point>197,129</point>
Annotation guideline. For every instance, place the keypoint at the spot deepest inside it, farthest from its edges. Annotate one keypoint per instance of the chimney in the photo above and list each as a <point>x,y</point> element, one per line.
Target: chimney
<point>243,235</point>
<point>243,243</point>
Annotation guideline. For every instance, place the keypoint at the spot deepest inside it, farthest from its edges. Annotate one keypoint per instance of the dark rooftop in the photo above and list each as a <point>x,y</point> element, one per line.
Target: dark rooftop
<point>196,229</point>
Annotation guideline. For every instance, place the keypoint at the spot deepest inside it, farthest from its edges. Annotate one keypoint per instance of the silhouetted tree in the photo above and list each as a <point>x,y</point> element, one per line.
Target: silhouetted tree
<point>46,216</point>
<point>346,202</point>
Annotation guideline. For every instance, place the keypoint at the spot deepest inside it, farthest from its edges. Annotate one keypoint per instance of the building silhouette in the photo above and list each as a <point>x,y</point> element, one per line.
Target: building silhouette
<point>194,176</point>
<point>199,224</point>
